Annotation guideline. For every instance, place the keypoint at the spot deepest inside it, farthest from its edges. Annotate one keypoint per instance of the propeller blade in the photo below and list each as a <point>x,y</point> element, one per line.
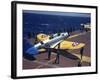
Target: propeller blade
<point>33,51</point>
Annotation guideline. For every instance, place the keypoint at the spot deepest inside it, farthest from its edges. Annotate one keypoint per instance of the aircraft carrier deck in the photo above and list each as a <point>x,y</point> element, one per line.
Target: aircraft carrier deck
<point>69,59</point>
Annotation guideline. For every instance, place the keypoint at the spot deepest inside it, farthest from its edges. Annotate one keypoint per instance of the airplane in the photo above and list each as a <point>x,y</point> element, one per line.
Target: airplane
<point>56,42</point>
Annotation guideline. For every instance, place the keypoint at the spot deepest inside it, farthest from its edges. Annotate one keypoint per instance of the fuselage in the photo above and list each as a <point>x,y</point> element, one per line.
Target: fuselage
<point>50,42</point>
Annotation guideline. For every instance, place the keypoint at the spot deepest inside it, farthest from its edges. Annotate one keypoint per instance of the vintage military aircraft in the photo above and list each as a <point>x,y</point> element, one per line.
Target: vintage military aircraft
<point>55,42</point>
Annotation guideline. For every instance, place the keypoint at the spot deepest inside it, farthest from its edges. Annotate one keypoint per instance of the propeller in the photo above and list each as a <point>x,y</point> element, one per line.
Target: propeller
<point>32,51</point>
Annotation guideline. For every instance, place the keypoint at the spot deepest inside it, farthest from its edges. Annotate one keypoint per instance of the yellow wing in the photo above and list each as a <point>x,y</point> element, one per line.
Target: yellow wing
<point>42,37</point>
<point>70,45</point>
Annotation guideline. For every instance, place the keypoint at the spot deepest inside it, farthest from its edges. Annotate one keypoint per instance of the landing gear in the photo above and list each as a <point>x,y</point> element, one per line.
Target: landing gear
<point>49,53</point>
<point>81,55</point>
<point>57,56</point>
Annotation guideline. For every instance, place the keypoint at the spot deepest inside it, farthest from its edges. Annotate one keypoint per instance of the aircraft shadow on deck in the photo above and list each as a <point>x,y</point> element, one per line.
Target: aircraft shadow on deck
<point>68,55</point>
